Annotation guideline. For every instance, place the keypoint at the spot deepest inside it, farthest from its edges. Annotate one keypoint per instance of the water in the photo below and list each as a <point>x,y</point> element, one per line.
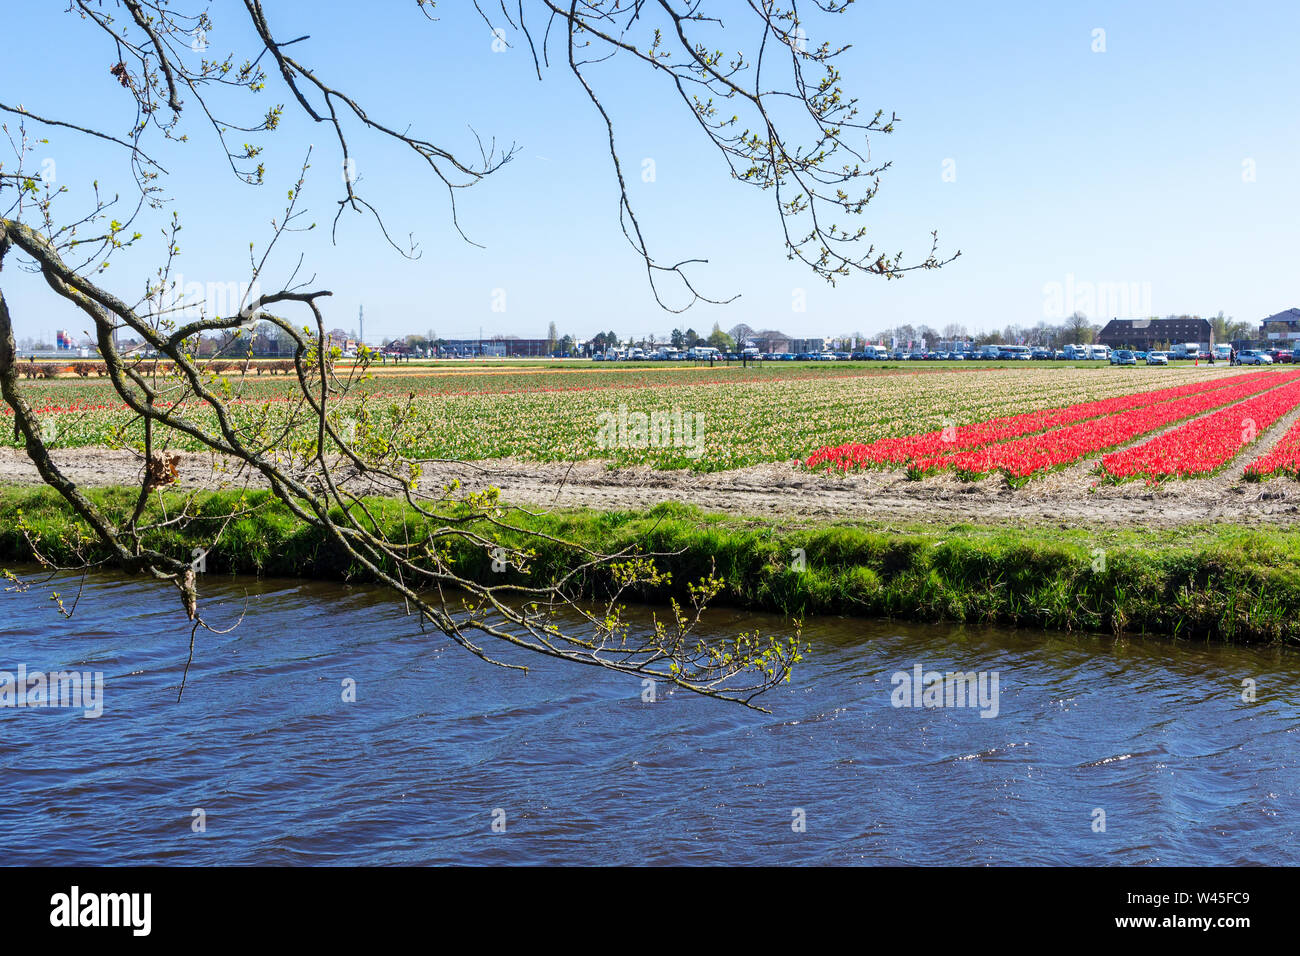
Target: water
<point>1153,733</point>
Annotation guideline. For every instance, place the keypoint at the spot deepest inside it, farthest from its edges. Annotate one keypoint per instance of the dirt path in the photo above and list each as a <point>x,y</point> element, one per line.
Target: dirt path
<point>1064,498</point>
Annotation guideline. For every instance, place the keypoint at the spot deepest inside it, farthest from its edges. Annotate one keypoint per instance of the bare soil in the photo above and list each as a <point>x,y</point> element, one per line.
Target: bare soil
<point>1067,498</point>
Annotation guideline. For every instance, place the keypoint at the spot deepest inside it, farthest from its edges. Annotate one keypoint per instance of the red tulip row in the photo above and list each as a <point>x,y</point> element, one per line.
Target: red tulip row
<point>1283,459</point>
<point>913,448</point>
<point>1038,453</point>
<point>1207,444</point>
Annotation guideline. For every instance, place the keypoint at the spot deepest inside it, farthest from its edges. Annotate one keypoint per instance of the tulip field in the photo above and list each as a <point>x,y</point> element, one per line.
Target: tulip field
<point>1020,422</point>
<point>1220,417</point>
<point>1203,446</point>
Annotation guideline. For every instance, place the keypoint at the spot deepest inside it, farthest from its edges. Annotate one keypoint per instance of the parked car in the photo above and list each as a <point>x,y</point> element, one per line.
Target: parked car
<point>1122,357</point>
<point>1157,358</point>
<point>1253,357</point>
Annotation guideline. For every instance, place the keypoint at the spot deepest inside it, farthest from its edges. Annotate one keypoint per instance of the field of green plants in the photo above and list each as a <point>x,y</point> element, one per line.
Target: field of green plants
<point>734,416</point>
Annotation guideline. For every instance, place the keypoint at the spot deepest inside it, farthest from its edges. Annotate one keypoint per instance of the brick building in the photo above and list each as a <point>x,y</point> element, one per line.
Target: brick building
<point>1146,334</point>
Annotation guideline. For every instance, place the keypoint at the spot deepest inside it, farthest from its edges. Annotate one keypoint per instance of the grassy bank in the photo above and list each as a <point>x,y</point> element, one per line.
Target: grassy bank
<point>1218,582</point>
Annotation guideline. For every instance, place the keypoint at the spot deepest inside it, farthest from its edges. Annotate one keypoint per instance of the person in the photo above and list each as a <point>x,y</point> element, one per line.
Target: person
<point>1232,355</point>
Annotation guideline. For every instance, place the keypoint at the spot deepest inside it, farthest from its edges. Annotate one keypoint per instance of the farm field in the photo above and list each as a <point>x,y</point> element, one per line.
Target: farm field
<point>735,417</point>
<point>1017,445</point>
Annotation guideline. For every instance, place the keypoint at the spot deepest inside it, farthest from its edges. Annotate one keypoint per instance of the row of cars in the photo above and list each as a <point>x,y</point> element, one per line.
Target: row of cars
<point>1132,357</point>
<point>1243,357</point>
<point>1070,353</point>
<point>1264,356</point>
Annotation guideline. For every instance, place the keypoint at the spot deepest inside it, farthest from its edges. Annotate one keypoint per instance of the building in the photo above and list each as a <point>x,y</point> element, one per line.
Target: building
<point>799,346</point>
<point>1290,319</point>
<point>769,340</point>
<point>1146,334</point>
<point>498,346</point>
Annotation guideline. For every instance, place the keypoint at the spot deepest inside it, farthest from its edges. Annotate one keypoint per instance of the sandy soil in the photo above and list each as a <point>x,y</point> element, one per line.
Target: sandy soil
<point>781,490</point>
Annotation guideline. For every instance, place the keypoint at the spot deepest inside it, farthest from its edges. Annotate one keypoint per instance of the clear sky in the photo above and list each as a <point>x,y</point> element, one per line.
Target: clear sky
<point>1169,163</point>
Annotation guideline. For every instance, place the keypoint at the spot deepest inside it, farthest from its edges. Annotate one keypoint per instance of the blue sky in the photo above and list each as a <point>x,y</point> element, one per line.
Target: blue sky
<point>1071,166</point>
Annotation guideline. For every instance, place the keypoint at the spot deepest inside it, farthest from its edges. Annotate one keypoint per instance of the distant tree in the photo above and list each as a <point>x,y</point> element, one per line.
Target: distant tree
<point>1078,330</point>
<point>552,338</point>
<point>1239,331</point>
<point>720,340</point>
<point>1219,327</point>
<point>741,334</point>
<point>677,339</point>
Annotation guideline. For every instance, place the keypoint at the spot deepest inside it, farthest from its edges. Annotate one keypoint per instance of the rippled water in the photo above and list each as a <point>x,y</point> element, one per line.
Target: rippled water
<point>1153,733</point>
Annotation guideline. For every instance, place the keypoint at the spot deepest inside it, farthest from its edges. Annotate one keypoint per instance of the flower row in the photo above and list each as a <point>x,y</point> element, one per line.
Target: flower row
<point>1039,453</point>
<point>1207,444</point>
<point>910,448</point>
<point>1282,459</point>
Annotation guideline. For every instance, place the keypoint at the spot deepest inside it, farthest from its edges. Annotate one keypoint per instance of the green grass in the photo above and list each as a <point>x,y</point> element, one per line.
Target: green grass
<point>1218,582</point>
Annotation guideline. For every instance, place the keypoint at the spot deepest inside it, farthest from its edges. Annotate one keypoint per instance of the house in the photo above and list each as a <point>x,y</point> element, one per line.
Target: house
<point>769,340</point>
<point>1290,320</point>
<point>1146,334</point>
